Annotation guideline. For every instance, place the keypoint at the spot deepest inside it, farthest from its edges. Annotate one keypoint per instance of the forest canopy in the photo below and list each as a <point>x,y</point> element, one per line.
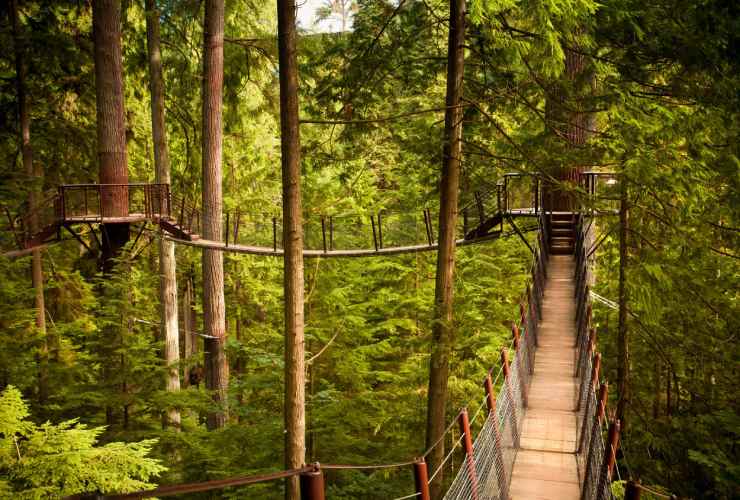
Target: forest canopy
<point>129,360</point>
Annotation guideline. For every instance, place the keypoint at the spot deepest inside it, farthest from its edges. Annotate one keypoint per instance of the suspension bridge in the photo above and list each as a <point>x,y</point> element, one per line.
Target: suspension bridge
<point>543,431</point>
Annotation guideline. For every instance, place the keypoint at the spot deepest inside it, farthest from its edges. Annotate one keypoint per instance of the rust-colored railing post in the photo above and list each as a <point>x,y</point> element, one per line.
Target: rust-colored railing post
<point>421,479</point>
<point>469,456</point>
<point>519,357</point>
<point>595,428</point>
<point>312,484</point>
<point>632,491</point>
<point>510,392</point>
<point>490,396</point>
<point>609,460</point>
<point>498,453</point>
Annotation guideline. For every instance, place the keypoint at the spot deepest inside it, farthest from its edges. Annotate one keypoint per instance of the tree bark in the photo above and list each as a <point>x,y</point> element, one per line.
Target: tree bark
<point>111,126</point>
<point>443,332</point>
<point>111,145</point>
<point>623,385</point>
<point>290,146</point>
<point>35,173</point>
<point>570,124</point>
<point>167,271</point>
<point>214,309</point>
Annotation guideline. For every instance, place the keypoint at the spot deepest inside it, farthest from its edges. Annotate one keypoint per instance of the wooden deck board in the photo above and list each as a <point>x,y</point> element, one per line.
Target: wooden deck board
<point>545,466</point>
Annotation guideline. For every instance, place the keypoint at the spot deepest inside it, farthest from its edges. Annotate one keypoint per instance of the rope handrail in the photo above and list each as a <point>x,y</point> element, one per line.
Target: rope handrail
<point>215,484</point>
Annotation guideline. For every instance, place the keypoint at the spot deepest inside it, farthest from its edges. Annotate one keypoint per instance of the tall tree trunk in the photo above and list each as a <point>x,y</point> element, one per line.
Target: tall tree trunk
<point>167,271</point>
<point>111,143</point>
<point>568,122</point>
<point>111,125</point>
<point>214,309</point>
<point>295,376</point>
<point>443,332</point>
<point>35,173</point>
<point>623,385</point>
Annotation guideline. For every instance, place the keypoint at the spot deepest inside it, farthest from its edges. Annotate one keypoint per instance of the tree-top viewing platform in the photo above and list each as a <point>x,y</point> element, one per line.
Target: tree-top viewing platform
<point>384,249</point>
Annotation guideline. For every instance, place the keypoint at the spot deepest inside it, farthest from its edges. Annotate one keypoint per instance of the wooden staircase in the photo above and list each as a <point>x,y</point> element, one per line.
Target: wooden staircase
<point>562,233</point>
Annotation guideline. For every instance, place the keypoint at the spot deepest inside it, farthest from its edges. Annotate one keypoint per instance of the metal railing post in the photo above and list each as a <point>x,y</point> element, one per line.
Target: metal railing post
<point>497,452</point>
<point>517,351</point>
<point>421,479</point>
<point>609,460</point>
<point>595,428</point>
<point>510,392</point>
<point>469,452</point>
<point>312,484</point>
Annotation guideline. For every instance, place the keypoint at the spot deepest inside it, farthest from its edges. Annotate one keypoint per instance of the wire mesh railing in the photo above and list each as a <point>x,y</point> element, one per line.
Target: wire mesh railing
<point>487,470</point>
<point>595,454</point>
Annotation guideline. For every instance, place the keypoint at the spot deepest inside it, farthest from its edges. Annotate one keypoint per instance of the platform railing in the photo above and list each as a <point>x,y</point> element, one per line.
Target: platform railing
<point>98,202</point>
<point>595,451</point>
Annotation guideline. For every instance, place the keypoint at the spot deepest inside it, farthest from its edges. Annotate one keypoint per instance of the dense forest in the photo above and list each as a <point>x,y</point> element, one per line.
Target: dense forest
<point>129,360</point>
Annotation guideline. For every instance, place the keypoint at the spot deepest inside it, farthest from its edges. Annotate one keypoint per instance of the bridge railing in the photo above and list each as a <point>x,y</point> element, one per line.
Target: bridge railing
<point>311,482</point>
<point>595,451</point>
<point>489,460</point>
<point>92,202</point>
<point>601,193</point>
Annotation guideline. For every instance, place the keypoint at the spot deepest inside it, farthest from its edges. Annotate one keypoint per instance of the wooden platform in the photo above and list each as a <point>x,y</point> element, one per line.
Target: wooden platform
<point>545,466</point>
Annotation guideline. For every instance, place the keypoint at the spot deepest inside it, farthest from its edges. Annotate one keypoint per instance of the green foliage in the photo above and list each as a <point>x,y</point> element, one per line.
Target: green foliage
<point>662,81</point>
<point>52,461</point>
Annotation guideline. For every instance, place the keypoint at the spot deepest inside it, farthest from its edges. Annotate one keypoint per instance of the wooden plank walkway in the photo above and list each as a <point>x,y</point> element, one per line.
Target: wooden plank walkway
<point>545,466</point>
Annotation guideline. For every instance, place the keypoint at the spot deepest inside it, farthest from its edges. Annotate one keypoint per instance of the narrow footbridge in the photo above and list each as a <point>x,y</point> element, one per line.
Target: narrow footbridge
<point>539,428</point>
<point>81,211</point>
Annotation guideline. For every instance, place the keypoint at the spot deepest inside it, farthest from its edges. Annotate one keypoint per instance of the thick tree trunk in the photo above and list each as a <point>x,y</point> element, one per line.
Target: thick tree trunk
<point>111,142</point>
<point>214,309</point>
<point>569,123</point>
<point>623,385</point>
<point>295,376</point>
<point>111,126</point>
<point>35,174</point>
<point>167,271</point>
<point>443,332</point>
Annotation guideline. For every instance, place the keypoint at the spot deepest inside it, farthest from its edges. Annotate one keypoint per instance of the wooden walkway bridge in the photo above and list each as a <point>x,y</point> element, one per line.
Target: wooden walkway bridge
<point>74,208</point>
<point>544,433</point>
<point>542,436</point>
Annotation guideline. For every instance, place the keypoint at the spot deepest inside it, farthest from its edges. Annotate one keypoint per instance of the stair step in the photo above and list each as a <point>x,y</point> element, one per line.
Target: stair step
<point>563,231</point>
<point>562,241</point>
<point>563,224</point>
<point>561,250</point>
<point>567,216</point>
